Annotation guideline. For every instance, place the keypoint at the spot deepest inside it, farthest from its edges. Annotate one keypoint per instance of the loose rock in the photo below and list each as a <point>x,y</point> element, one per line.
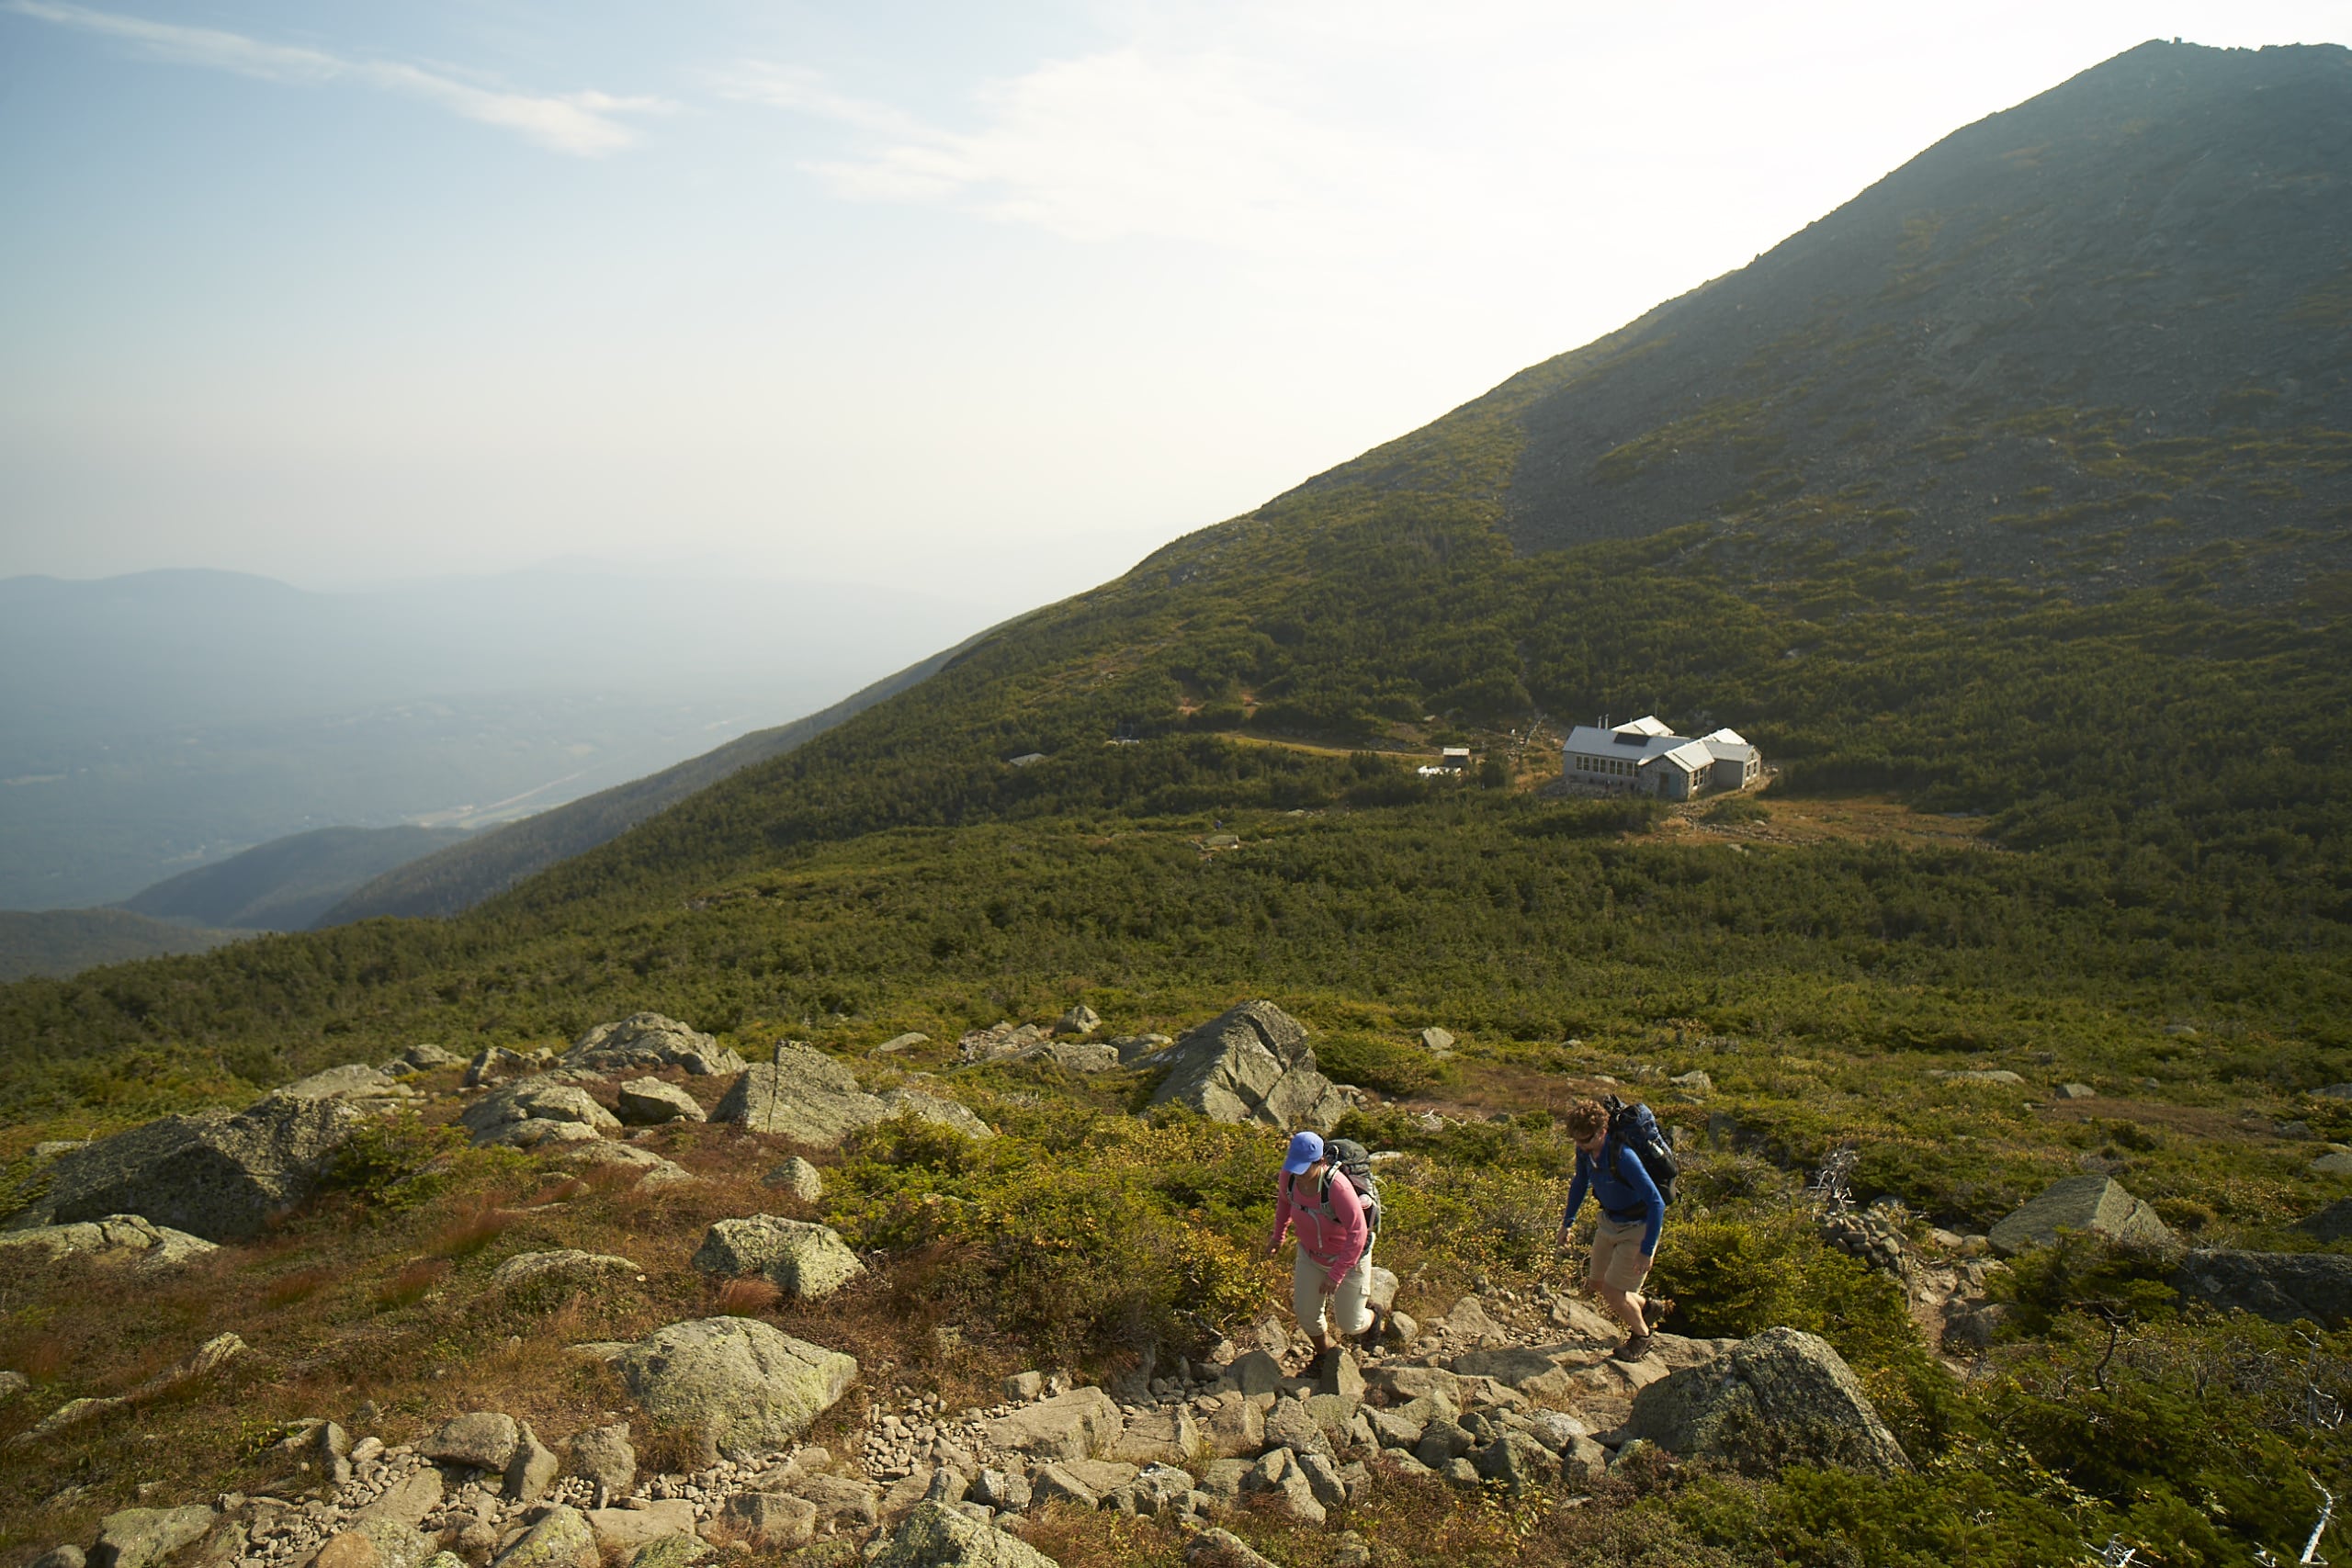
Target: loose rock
<point>649,1040</point>
<point>481,1439</point>
<point>116,1238</point>
<point>804,1260</point>
<point>1251,1064</point>
<point>745,1386</point>
<point>797,1177</point>
<point>602,1457</point>
<point>1782,1398</point>
<point>137,1537</point>
<point>220,1177</point>
<point>560,1539</point>
<point>935,1536</point>
<point>2098,1205</point>
<point>571,1266</point>
<point>649,1102</point>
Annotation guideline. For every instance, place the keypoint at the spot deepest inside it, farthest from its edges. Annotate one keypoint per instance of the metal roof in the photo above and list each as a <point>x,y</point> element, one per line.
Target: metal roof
<point>1645,740</point>
<point>1591,741</point>
<point>1692,756</point>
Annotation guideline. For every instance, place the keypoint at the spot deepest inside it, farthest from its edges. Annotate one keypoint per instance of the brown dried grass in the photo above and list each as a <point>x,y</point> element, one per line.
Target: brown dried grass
<point>747,1298</point>
<point>409,1286</point>
<point>298,1286</point>
<point>475,1228</point>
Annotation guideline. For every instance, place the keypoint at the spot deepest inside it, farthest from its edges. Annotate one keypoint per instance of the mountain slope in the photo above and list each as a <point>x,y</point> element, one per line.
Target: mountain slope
<point>899,865</point>
<point>2101,338</point>
<point>287,884</point>
<point>463,875</point>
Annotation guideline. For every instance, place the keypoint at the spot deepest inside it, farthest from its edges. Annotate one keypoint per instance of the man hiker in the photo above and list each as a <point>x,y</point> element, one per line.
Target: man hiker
<point>1331,1284</point>
<point>1624,1239</point>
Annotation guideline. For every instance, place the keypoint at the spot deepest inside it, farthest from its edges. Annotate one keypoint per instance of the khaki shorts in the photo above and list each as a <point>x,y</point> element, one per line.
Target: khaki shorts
<point>1617,1253</point>
<point>1349,1306</point>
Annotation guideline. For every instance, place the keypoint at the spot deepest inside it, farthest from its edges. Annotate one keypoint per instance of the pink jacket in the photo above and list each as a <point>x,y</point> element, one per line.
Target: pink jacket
<point>1335,1241</point>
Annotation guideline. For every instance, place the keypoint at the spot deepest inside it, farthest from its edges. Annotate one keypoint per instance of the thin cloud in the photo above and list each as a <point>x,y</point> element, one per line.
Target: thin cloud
<point>1210,147</point>
<point>582,124</point>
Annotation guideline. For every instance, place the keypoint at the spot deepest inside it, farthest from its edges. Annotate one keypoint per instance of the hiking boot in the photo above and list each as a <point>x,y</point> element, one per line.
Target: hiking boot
<point>1636,1346</point>
<point>1658,1310</point>
<point>1370,1337</point>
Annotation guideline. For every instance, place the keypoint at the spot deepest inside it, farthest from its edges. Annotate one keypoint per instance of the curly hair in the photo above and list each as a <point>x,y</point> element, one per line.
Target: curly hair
<point>1584,1120</point>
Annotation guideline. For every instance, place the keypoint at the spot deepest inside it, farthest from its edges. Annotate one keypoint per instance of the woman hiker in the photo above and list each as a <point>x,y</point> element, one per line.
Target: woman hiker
<point>1330,1284</point>
<point>1624,1239</point>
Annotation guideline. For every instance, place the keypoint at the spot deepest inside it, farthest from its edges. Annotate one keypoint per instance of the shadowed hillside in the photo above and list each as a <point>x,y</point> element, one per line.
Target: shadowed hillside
<point>285,884</point>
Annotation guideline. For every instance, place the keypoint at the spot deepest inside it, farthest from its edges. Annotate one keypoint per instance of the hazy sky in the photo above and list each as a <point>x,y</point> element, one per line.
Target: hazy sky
<point>990,300</point>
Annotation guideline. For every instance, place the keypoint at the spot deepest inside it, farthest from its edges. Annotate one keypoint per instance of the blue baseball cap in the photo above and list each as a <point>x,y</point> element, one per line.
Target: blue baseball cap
<point>1306,1148</point>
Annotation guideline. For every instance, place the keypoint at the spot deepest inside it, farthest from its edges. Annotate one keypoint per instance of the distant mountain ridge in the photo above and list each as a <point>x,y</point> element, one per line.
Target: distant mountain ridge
<point>166,719</point>
<point>451,880</point>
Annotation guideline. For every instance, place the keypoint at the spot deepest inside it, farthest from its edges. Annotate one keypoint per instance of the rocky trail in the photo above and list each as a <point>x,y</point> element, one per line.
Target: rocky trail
<point>1517,1390</point>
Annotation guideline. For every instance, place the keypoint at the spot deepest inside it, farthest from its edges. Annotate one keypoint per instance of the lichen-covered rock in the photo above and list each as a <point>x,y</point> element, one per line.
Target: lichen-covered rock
<point>560,1539</point>
<point>137,1537</point>
<point>1234,1426</point>
<point>1251,1063</point>
<point>1072,1426</point>
<point>492,1064</point>
<point>532,1470</point>
<point>2279,1286</point>
<point>999,1041</point>
<point>671,1551</point>
<point>935,1536</point>
<point>376,1542</point>
<point>116,1238</point>
<point>1292,1426</point>
<point>649,1040</point>
<point>1220,1548</point>
<point>602,1456</point>
<point>626,1529</point>
<point>797,1177</point>
<point>408,1501</point>
<point>804,1260</point>
<point>776,1521</point>
<point>649,1102</point>
<point>651,1169</point>
<point>370,1089</point>
<point>2096,1204</point>
<point>481,1439</point>
<point>803,1095</point>
<point>848,1499</point>
<point>570,1267</point>
<point>1166,1436</point>
<point>503,1115</point>
<point>937,1109</point>
<point>743,1386</point>
<point>220,1177</point>
<point>1783,1397</point>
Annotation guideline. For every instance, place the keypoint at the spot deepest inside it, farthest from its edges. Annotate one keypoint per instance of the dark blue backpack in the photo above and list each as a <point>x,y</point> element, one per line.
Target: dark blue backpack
<point>1634,1127</point>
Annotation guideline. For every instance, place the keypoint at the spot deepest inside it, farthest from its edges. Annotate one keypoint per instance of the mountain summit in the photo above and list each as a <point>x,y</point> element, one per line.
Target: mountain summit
<point>2087,337</point>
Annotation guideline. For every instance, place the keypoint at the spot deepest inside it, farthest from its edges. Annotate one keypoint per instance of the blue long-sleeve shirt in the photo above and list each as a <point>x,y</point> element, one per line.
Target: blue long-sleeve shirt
<point>1625,1189</point>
